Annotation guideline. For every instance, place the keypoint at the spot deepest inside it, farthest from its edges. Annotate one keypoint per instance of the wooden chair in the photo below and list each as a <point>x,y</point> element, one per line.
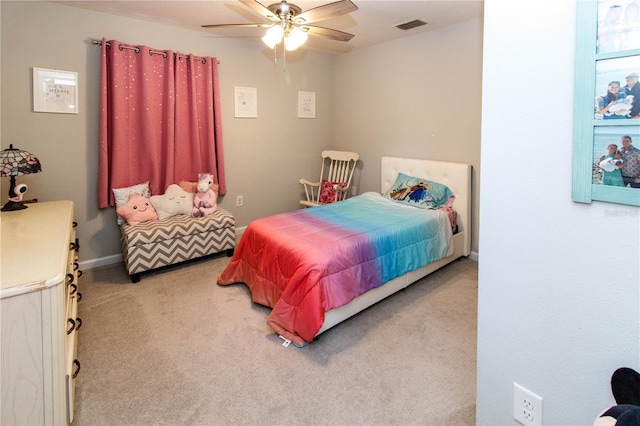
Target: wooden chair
<point>335,179</point>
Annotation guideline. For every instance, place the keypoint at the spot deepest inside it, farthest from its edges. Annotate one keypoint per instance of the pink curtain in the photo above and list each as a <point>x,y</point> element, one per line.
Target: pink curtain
<point>159,119</point>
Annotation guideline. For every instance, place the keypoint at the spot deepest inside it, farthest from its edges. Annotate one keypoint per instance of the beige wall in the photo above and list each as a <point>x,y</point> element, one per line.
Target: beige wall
<point>415,97</point>
<point>265,157</point>
<point>258,152</point>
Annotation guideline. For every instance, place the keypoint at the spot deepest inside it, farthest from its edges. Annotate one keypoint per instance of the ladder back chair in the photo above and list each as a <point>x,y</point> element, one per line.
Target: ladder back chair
<point>336,173</point>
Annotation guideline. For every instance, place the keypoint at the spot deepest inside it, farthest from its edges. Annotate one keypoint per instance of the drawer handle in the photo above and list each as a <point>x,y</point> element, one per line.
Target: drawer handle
<point>78,323</point>
<point>74,288</point>
<point>79,297</point>
<point>77,244</point>
<point>76,265</point>
<point>79,274</point>
<point>73,326</point>
<point>75,373</point>
<point>72,246</point>
<point>75,224</point>
<point>69,279</point>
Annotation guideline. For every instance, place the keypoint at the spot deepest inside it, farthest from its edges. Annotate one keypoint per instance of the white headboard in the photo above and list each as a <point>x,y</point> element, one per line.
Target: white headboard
<point>457,176</point>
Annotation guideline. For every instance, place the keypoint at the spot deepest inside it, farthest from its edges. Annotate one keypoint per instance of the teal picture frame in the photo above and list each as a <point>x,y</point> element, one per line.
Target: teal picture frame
<point>589,60</point>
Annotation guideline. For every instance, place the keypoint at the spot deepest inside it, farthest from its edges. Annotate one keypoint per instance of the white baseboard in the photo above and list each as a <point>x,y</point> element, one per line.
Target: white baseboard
<point>101,261</point>
<point>474,256</point>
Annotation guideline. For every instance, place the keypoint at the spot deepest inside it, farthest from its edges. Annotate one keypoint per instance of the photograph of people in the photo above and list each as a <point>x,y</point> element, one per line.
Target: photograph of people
<point>633,89</point>
<point>625,157</point>
<point>630,156</point>
<point>630,37</point>
<point>614,104</point>
<point>618,25</point>
<point>609,29</point>
<point>611,163</point>
<point>617,92</point>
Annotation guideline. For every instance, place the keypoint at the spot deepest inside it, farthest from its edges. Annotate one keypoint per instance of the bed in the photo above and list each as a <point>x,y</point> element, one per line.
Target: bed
<point>317,267</point>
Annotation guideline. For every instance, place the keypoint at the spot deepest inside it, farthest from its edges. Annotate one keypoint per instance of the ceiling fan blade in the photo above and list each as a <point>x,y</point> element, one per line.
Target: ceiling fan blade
<point>237,26</point>
<point>260,9</point>
<point>327,33</point>
<point>327,11</point>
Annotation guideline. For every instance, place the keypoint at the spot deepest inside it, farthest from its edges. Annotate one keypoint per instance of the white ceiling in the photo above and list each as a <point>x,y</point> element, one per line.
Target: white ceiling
<point>374,22</point>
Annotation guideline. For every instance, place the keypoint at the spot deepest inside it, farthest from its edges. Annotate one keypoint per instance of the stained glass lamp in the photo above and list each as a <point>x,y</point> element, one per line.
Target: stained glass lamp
<point>16,162</point>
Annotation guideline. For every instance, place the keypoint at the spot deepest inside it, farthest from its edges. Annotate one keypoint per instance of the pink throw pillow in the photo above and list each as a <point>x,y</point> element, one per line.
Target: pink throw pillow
<point>328,194</point>
<point>138,209</point>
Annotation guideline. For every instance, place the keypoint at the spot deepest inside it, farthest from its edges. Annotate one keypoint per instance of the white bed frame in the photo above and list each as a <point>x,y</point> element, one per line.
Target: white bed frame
<point>457,177</point>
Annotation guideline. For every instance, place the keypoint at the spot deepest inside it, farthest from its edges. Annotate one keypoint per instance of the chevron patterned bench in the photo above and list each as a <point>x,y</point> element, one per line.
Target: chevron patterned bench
<point>157,243</point>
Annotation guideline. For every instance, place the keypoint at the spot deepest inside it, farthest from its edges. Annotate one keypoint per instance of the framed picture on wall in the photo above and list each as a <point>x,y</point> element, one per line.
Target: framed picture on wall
<point>306,104</point>
<point>55,91</point>
<point>606,155</point>
<point>246,102</point>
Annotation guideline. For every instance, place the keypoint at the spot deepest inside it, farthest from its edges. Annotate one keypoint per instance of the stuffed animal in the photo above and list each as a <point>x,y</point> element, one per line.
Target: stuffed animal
<point>192,187</point>
<point>625,386</point>
<point>138,209</point>
<point>205,200</point>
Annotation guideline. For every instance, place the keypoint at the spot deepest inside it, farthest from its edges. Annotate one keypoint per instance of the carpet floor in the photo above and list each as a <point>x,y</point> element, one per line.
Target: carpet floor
<point>177,349</point>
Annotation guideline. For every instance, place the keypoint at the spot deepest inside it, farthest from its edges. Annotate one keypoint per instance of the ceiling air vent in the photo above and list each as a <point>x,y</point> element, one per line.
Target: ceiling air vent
<point>411,24</point>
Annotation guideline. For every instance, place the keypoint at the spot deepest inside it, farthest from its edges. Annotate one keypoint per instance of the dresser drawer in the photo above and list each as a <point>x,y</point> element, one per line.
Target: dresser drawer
<point>39,308</point>
<point>71,363</point>
<point>74,323</point>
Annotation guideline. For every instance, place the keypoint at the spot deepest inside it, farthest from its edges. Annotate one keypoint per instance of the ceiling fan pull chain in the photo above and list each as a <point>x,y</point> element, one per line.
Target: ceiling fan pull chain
<point>284,60</point>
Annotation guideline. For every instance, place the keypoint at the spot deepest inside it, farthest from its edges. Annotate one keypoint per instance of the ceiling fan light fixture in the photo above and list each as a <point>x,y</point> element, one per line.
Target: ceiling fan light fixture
<point>273,36</point>
<point>295,39</point>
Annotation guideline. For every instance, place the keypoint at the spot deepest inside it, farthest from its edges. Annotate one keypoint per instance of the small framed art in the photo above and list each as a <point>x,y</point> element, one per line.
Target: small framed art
<point>306,104</point>
<point>246,102</point>
<point>55,91</point>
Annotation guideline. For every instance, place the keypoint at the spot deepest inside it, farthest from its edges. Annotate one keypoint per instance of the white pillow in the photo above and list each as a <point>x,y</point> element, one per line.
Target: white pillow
<point>122,196</point>
<point>174,201</point>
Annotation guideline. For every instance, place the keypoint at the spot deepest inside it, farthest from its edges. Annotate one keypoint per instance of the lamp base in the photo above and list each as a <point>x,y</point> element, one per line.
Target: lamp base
<point>12,206</point>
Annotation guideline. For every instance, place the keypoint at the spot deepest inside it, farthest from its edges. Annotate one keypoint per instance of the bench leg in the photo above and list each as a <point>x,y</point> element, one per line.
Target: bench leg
<point>135,278</point>
<point>230,252</point>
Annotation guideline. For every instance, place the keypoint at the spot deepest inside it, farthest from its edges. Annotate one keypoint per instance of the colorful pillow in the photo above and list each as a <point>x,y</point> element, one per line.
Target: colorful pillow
<point>193,186</point>
<point>137,210</point>
<point>419,192</point>
<point>122,195</point>
<point>175,200</point>
<point>328,193</point>
<point>188,186</point>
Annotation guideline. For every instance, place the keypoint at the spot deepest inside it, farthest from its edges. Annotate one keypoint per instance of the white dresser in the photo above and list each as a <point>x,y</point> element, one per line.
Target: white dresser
<point>39,311</point>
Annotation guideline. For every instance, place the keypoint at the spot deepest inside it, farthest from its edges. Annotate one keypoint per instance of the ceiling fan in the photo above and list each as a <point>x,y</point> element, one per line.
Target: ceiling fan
<point>288,22</point>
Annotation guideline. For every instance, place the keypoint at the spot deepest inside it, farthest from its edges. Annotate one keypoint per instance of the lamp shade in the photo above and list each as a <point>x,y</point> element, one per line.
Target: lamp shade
<point>295,39</point>
<point>273,36</point>
<point>16,162</point>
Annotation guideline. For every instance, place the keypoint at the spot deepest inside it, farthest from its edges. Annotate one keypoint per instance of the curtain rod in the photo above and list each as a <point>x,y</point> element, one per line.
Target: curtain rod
<point>152,52</point>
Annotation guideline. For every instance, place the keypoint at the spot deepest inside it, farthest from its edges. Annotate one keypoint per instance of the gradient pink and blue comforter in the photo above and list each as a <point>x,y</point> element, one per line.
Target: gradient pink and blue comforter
<point>307,262</point>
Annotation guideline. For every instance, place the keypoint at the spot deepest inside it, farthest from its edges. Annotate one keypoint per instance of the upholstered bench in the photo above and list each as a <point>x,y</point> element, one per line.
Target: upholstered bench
<point>156,243</point>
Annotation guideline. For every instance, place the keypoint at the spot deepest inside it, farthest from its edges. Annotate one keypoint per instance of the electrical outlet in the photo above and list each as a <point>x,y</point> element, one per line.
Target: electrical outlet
<point>527,406</point>
<point>239,201</point>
